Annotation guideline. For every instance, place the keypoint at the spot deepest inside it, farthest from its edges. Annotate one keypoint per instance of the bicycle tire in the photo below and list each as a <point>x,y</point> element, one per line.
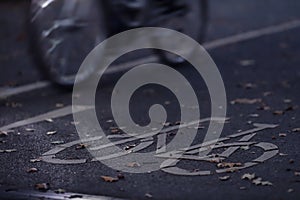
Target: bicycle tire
<point>85,30</point>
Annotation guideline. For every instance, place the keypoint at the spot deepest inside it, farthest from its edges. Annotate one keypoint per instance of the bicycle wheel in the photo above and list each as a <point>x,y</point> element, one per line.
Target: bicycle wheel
<point>62,33</point>
<point>190,18</point>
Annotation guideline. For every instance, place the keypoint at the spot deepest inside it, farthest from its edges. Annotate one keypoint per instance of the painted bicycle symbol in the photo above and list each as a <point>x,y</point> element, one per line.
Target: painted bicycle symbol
<point>172,158</point>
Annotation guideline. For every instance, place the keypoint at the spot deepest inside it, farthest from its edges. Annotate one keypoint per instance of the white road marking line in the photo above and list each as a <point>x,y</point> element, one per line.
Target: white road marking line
<point>7,92</point>
<point>51,195</point>
<point>252,34</point>
<point>39,118</point>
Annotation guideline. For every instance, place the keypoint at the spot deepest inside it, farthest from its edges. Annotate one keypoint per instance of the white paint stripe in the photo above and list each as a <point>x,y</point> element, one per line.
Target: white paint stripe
<point>6,92</point>
<point>39,118</point>
<point>51,195</point>
<point>252,34</point>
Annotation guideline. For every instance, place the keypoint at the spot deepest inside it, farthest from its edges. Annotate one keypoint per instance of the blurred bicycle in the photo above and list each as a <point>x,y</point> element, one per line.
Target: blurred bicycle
<point>63,32</point>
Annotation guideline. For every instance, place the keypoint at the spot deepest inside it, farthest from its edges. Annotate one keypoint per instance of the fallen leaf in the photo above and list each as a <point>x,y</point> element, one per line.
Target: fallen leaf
<point>296,130</point>
<point>246,63</point>
<point>278,112</point>
<point>282,134</point>
<point>290,190</point>
<point>58,142</point>
<point>287,101</point>
<point>60,191</point>
<point>246,101</point>
<point>133,164</point>
<point>8,150</point>
<point>81,146</point>
<point>121,176</point>
<point>254,115</point>
<point>32,170</point>
<point>3,133</point>
<point>268,93</point>
<point>29,129</point>
<point>229,165</point>
<point>264,107</point>
<point>283,154</point>
<point>35,160</point>
<point>74,123</point>
<point>291,161</point>
<point>248,176</point>
<point>128,147</point>
<point>42,186</point>
<point>224,178</point>
<point>51,132</point>
<point>297,173</point>
<point>59,105</point>
<point>148,195</point>
<point>109,179</point>
<point>49,120</point>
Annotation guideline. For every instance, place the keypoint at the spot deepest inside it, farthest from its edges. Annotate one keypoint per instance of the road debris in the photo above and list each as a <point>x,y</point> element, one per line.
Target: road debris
<point>51,132</point>
<point>282,134</point>
<point>8,150</point>
<point>42,186</point>
<point>29,129</point>
<point>246,63</point>
<point>109,179</point>
<point>81,146</point>
<point>32,170</point>
<point>224,178</point>
<point>60,191</point>
<point>35,160</point>
<point>296,130</point>
<point>133,164</point>
<point>58,142</point>
<point>290,190</point>
<point>246,101</point>
<point>229,165</point>
<point>256,180</point>
<point>49,120</point>
<point>248,176</point>
<point>278,112</point>
<point>148,195</point>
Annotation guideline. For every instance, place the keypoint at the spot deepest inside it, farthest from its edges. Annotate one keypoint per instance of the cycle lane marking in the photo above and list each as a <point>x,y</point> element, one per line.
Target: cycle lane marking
<point>43,117</point>
<point>241,37</point>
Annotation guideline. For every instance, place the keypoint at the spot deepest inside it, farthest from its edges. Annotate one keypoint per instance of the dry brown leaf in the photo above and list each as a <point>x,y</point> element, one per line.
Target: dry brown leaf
<point>3,133</point>
<point>60,191</point>
<point>81,146</point>
<point>224,178</point>
<point>133,164</point>
<point>297,173</point>
<point>282,134</point>
<point>42,186</point>
<point>32,170</point>
<point>296,130</point>
<point>229,165</point>
<point>109,179</point>
<point>246,101</point>
<point>278,112</point>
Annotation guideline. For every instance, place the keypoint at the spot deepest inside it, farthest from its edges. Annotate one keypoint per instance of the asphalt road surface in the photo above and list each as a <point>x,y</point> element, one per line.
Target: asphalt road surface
<point>255,45</point>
